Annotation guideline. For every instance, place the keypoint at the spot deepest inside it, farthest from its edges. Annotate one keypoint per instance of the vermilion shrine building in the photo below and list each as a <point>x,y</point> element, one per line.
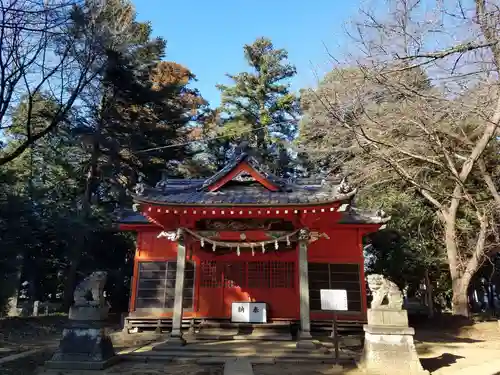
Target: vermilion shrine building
<point>245,235</point>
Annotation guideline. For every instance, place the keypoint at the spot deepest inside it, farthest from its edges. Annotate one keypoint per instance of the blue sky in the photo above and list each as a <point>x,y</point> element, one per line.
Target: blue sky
<point>208,36</point>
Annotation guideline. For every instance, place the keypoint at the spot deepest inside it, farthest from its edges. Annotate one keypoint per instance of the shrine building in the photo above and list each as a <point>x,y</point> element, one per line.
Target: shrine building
<point>224,248</point>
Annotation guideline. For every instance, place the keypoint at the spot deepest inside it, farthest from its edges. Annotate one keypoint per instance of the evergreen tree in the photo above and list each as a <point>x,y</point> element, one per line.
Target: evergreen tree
<point>259,107</point>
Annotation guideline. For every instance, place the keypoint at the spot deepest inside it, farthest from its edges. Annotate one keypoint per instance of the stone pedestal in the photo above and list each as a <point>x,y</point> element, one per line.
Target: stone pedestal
<point>389,346</point>
<point>85,344</point>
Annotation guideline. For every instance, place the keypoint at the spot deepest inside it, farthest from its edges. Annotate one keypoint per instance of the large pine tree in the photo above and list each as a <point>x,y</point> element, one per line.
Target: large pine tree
<point>259,106</point>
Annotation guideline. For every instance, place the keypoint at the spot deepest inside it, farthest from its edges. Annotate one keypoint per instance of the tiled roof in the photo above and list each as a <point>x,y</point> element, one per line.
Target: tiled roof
<point>195,192</point>
<point>356,216</point>
<point>234,163</point>
<point>130,217</point>
<point>243,195</point>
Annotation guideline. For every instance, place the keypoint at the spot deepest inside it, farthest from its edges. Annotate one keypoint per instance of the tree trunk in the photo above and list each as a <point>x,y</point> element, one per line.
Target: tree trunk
<point>12,286</point>
<point>429,295</point>
<point>79,246</point>
<point>460,280</point>
<point>70,283</point>
<point>85,212</point>
<point>460,300</point>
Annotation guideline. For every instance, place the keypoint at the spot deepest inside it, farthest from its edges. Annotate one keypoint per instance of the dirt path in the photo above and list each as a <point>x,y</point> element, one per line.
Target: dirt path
<point>445,353</point>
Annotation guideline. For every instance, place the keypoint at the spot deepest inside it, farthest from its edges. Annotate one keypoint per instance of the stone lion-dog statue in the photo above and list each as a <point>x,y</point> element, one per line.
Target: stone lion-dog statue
<point>91,286</point>
<point>381,288</point>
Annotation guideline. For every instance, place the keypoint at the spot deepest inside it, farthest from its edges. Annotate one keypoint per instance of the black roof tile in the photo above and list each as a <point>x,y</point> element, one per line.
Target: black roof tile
<point>290,192</point>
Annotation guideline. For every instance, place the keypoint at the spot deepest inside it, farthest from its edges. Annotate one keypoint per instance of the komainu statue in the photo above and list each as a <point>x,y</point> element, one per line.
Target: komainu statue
<point>91,287</point>
<point>381,288</point>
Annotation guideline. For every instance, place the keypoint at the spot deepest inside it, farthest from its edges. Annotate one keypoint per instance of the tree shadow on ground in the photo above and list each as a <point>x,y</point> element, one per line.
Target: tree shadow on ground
<point>444,329</point>
<point>443,337</point>
<point>435,363</point>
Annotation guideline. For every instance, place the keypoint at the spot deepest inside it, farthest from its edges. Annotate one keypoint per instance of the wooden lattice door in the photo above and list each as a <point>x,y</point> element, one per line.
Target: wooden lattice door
<point>225,282</point>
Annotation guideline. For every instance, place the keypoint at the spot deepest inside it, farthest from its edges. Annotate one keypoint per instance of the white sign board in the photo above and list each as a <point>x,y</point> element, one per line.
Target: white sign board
<point>248,312</point>
<point>333,299</point>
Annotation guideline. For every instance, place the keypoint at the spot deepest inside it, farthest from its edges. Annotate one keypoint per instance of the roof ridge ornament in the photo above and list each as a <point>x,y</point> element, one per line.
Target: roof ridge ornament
<point>140,186</point>
<point>242,148</point>
<point>345,187</point>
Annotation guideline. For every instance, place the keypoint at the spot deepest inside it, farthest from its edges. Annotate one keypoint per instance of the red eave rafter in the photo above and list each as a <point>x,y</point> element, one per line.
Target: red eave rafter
<point>243,211</point>
<point>243,167</point>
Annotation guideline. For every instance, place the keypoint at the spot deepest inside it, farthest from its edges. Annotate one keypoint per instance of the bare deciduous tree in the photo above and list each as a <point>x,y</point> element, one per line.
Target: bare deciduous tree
<point>49,48</point>
<point>421,105</point>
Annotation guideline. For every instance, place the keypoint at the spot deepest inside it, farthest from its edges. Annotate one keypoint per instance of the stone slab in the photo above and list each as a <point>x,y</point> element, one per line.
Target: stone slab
<point>82,365</point>
<point>388,330</point>
<point>389,317</point>
<point>264,337</point>
<point>237,353</point>
<point>171,342</point>
<point>306,344</point>
<point>238,367</point>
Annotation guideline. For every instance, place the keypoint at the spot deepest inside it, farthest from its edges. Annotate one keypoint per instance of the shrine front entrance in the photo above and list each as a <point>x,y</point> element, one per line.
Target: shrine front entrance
<point>224,279</point>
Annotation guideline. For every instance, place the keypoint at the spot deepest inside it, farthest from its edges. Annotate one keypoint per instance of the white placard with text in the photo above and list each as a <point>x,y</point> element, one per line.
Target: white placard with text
<point>248,312</point>
<point>333,299</point>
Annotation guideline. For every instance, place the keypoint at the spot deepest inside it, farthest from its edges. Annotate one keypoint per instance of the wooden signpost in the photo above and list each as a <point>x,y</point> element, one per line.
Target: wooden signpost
<point>334,300</point>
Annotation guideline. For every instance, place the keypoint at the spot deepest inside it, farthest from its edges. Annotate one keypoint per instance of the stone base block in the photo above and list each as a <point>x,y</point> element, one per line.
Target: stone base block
<point>171,342</point>
<point>304,340</point>
<point>88,313</point>
<point>83,347</point>
<point>387,317</point>
<point>305,344</point>
<point>81,365</point>
<point>390,350</point>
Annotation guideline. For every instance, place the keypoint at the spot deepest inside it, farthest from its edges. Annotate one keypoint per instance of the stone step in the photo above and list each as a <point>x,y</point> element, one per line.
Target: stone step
<point>228,353</point>
<point>223,330</point>
<point>235,336</point>
<point>217,332</point>
<point>265,337</point>
<point>228,324</point>
<point>222,357</point>
<point>241,348</point>
<point>240,366</point>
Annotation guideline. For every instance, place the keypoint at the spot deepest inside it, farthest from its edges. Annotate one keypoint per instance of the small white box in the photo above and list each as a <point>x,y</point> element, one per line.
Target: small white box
<point>249,312</point>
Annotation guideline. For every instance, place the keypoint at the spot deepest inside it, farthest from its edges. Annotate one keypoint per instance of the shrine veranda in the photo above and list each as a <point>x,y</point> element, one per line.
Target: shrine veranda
<point>244,235</point>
